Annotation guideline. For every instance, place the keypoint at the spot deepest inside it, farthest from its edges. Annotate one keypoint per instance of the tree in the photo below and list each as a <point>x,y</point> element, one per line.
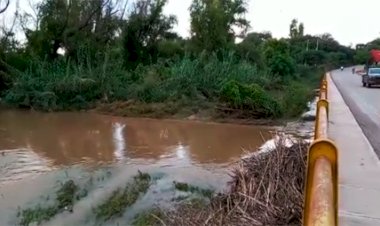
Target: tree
<point>277,56</point>
<point>251,47</point>
<point>257,39</point>
<point>143,31</point>
<point>213,23</point>
<point>296,30</point>
<point>301,30</point>
<point>361,56</point>
<point>293,31</point>
<point>314,57</point>
<point>72,24</point>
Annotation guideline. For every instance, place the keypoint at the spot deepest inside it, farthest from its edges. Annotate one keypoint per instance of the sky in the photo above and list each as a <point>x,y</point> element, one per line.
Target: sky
<point>348,21</point>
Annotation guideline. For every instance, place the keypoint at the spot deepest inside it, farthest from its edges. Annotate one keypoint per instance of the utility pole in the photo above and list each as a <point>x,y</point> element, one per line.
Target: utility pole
<point>317,45</point>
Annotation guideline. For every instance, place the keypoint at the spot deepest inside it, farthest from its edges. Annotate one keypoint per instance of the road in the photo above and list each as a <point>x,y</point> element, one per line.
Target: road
<point>363,102</point>
<point>354,126</point>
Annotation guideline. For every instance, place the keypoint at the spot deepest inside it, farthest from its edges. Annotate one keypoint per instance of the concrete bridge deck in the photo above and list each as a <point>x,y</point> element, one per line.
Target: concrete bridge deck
<point>354,125</point>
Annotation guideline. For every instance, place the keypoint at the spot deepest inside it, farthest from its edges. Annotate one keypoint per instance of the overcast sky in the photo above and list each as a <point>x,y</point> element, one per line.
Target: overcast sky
<point>349,21</point>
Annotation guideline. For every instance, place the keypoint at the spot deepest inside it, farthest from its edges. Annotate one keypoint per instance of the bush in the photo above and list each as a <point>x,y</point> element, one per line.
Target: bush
<point>250,97</point>
<point>200,78</point>
<point>62,86</point>
<point>295,99</point>
<point>282,65</point>
<point>192,80</point>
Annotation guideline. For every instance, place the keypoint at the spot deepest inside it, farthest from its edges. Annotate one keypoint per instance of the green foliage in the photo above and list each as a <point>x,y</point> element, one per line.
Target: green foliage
<point>250,97</point>
<point>277,55</point>
<point>61,85</point>
<point>282,65</point>
<point>37,214</point>
<point>295,99</point>
<point>113,56</point>
<point>120,199</point>
<point>314,57</point>
<point>65,86</point>
<point>66,194</point>
<point>150,217</point>
<point>296,30</point>
<point>171,49</point>
<point>143,30</point>
<point>71,25</point>
<point>191,79</point>
<point>203,78</point>
<point>251,48</point>
<point>318,50</point>
<point>212,23</point>
<point>193,189</point>
<point>274,47</point>
<point>361,56</point>
<point>65,198</point>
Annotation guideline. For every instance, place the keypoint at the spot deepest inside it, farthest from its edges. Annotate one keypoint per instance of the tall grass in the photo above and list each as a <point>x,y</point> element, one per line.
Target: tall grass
<point>64,85</point>
<point>67,85</point>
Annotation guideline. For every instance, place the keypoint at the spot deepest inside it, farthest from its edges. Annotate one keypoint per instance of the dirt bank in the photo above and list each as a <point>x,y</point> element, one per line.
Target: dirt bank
<point>209,113</point>
<point>265,189</point>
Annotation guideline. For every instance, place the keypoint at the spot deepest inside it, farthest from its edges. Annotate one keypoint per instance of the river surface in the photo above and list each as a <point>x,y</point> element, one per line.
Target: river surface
<point>38,150</point>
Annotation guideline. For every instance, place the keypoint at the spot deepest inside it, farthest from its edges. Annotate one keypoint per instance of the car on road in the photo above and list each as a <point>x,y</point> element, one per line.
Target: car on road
<point>371,77</point>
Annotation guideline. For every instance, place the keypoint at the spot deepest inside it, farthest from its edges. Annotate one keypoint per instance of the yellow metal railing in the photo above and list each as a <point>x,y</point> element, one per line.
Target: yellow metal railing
<point>321,189</point>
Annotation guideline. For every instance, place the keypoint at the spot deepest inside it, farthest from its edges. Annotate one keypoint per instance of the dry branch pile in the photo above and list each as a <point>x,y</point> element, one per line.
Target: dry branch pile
<point>265,189</point>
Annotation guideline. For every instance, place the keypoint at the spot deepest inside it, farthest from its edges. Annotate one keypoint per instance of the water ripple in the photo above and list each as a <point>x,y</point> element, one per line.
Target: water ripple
<point>18,164</point>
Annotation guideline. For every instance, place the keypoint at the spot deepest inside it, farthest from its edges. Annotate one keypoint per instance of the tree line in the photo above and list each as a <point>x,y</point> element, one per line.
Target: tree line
<point>81,54</point>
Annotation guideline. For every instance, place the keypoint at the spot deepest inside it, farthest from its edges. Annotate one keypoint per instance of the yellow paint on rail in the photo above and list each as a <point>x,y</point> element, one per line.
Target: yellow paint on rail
<point>321,119</point>
<point>321,189</point>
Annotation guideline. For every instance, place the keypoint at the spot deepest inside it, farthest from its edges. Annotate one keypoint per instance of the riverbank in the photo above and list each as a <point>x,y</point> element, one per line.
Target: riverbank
<point>215,88</point>
<point>265,189</point>
<point>170,111</point>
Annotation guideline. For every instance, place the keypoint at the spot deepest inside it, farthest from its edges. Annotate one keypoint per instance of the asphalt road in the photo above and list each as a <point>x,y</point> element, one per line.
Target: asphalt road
<point>363,102</point>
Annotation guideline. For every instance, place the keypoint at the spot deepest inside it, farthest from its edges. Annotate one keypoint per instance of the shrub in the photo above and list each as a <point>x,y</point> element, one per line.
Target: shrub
<point>282,65</point>
<point>250,97</point>
<point>295,99</point>
<point>61,85</point>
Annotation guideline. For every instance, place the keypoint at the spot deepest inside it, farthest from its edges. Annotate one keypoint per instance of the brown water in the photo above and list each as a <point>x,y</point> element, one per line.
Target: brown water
<point>35,148</point>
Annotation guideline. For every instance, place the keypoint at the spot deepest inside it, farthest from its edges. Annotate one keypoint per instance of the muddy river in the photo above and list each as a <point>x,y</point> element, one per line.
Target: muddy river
<point>39,151</point>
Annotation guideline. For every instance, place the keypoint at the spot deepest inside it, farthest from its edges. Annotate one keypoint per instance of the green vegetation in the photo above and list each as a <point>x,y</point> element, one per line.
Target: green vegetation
<point>151,217</point>
<point>120,199</point>
<point>362,51</point>
<point>200,206</point>
<point>37,214</point>
<point>133,63</point>
<point>208,193</point>
<point>65,199</point>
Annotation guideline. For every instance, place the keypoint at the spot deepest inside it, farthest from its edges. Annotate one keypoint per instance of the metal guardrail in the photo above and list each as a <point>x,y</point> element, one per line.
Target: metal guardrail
<point>321,189</point>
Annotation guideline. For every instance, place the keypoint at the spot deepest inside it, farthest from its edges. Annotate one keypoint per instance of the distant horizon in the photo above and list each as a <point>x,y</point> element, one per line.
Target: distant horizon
<point>275,16</point>
<point>346,24</point>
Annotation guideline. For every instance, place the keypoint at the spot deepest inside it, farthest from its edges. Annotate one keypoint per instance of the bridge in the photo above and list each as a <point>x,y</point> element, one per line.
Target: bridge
<point>343,181</point>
